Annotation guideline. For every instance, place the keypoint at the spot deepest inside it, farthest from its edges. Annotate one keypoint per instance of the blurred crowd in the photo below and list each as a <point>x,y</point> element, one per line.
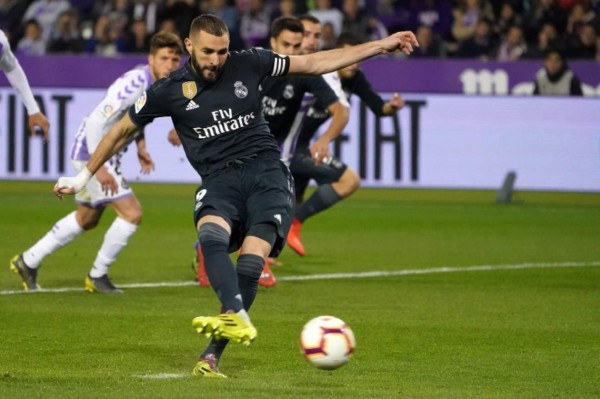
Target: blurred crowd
<point>501,30</point>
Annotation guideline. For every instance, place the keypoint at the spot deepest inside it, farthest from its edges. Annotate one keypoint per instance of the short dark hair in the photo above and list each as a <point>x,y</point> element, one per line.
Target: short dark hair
<point>347,38</point>
<point>292,24</point>
<point>309,18</point>
<point>165,39</point>
<point>210,24</point>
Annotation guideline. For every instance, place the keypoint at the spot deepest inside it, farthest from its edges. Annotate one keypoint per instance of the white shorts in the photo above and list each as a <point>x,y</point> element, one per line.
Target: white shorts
<point>93,195</point>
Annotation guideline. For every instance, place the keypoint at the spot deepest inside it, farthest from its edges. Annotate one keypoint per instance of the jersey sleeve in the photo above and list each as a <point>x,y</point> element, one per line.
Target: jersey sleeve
<point>271,63</point>
<point>149,105</point>
<point>321,90</point>
<point>363,89</point>
<point>16,76</point>
<point>120,95</point>
<point>333,80</point>
<point>7,58</point>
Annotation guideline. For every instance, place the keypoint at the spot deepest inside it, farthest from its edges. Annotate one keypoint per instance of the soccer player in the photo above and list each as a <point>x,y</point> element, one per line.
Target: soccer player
<point>108,187</point>
<point>282,100</point>
<point>17,79</point>
<point>334,178</point>
<point>247,192</point>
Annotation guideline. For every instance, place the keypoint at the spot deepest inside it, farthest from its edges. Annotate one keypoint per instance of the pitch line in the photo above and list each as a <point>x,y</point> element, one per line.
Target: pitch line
<point>337,276</point>
<point>161,376</point>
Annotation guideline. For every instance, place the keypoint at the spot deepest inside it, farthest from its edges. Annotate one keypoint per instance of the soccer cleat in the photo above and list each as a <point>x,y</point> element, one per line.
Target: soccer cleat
<point>207,325</point>
<point>229,326</point>
<point>293,238</point>
<point>201,271</point>
<point>207,367</point>
<point>101,284</point>
<point>28,275</point>
<point>267,278</point>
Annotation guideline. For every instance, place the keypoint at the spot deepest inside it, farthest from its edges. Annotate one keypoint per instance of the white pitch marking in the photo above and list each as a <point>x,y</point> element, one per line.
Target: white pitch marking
<point>161,376</point>
<point>337,276</point>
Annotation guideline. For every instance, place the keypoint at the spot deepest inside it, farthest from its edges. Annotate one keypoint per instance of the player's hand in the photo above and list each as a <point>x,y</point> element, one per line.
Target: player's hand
<point>40,121</point>
<point>107,182</point>
<point>173,138</point>
<point>320,151</point>
<point>396,102</point>
<point>145,161</point>
<point>404,42</point>
<point>72,185</point>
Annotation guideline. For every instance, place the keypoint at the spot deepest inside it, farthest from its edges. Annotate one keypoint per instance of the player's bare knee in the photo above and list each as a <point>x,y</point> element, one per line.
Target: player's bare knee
<point>348,183</point>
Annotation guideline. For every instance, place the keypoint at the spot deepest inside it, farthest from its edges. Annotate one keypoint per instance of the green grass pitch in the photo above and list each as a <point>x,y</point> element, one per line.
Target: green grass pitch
<point>497,332</point>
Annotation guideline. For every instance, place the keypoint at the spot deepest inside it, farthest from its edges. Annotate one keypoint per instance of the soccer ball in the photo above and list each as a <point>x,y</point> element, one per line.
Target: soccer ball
<point>327,342</point>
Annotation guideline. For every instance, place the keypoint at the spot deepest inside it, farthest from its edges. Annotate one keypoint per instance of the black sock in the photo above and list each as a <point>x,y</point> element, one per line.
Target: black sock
<point>323,197</point>
<point>214,241</point>
<point>249,268</point>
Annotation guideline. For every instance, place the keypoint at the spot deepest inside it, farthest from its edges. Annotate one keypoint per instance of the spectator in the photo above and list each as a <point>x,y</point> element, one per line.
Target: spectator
<point>255,24</point>
<point>32,43</point>
<point>507,17</point>
<point>328,37</point>
<point>106,40</point>
<point>429,44</point>
<point>467,15</point>
<point>11,18</point>
<point>327,13</point>
<point>168,25</point>
<point>584,44</point>
<point>285,8</point>
<point>543,12</point>
<point>513,45</point>
<point>147,11</point>
<point>481,45</point>
<point>556,79</point>
<point>137,39</point>
<point>361,25</point>
<point>547,39</point>
<point>580,14</point>
<point>391,14</point>
<point>229,15</point>
<point>66,38</point>
<point>181,12</point>
<point>436,14</point>
<point>46,12</point>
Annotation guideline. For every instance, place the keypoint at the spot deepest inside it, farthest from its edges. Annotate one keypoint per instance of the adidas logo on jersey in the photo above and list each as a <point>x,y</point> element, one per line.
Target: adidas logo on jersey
<point>191,105</point>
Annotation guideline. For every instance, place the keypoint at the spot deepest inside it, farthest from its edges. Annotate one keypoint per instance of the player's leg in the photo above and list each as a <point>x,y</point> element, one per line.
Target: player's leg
<point>218,206</point>
<point>293,239</point>
<point>129,217</point>
<point>62,233</point>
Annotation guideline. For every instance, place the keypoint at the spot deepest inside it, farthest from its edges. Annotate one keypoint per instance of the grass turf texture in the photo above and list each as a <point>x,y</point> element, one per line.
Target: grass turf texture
<point>527,333</point>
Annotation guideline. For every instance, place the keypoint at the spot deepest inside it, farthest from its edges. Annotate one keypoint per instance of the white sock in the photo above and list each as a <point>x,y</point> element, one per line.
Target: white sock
<point>115,240</point>
<point>62,233</point>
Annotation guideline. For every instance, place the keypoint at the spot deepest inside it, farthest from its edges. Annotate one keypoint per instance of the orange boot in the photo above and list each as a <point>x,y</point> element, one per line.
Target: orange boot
<point>201,271</point>
<point>293,238</point>
<point>267,278</point>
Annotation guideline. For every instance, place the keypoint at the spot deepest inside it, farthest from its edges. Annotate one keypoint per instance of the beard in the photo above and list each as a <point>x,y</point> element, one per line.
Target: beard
<point>209,74</point>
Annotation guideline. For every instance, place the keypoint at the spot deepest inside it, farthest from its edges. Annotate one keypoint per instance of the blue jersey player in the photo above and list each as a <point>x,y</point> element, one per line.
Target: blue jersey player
<point>246,198</point>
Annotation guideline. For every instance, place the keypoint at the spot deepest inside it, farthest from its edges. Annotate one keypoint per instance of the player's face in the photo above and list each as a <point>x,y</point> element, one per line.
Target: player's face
<point>287,43</point>
<point>312,37</point>
<point>350,70</point>
<point>209,53</point>
<point>163,62</point>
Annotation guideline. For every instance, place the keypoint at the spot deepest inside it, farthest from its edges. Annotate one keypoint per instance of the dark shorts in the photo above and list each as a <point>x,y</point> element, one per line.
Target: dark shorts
<point>260,190</point>
<point>303,169</point>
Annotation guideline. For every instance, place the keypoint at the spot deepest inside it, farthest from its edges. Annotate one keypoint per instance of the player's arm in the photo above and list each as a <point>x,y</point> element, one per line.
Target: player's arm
<point>339,118</point>
<point>119,134</point>
<point>327,61</point>
<point>18,80</point>
<point>143,154</point>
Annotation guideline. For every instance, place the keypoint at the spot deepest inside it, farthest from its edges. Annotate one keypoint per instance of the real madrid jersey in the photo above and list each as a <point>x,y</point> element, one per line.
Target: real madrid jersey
<point>282,99</point>
<point>120,96</point>
<point>218,122</point>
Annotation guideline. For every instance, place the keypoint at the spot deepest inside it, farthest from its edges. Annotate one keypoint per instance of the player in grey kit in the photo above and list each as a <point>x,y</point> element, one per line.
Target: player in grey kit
<point>335,179</point>
<point>247,194</point>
